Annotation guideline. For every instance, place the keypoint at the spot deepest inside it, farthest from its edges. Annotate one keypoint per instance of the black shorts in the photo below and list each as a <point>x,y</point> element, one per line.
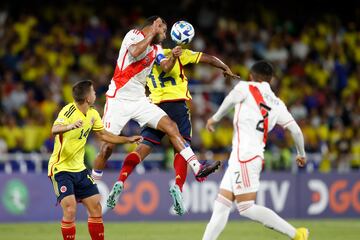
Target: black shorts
<point>179,113</point>
<point>80,184</point>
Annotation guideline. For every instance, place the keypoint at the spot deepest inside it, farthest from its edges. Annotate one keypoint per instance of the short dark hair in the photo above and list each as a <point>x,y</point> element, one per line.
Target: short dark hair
<point>262,71</point>
<point>80,90</point>
<point>150,20</point>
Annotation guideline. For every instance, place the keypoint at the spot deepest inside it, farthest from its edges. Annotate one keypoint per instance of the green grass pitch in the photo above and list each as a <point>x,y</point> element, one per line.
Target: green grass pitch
<point>319,230</point>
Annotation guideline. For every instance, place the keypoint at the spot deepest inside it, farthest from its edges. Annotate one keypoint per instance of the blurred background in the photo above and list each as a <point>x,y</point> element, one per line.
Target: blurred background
<point>314,47</point>
<point>46,47</point>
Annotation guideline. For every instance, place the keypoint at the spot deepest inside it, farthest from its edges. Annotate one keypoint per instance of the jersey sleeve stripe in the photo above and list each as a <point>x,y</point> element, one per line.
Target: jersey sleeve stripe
<point>69,110</point>
<point>198,57</point>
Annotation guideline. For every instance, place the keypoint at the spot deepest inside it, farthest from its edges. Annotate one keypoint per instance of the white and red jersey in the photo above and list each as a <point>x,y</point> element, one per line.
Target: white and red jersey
<point>130,74</point>
<point>257,111</point>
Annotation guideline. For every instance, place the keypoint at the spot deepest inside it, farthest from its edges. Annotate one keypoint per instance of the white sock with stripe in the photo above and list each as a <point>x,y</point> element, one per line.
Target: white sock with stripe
<point>191,159</point>
<point>265,216</point>
<point>219,218</point>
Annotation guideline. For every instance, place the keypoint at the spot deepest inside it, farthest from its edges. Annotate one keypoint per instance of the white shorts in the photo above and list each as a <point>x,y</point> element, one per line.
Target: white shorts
<point>243,177</point>
<point>118,112</point>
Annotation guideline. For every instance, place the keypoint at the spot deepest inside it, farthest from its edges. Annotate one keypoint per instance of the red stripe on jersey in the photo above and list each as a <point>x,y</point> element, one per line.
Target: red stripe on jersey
<point>122,76</point>
<point>58,159</point>
<point>260,100</point>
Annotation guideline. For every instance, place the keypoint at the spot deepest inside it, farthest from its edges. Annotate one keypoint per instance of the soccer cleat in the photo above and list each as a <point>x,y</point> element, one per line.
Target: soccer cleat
<point>302,234</point>
<point>175,193</point>
<point>206,170</point>
<point>114,194</point>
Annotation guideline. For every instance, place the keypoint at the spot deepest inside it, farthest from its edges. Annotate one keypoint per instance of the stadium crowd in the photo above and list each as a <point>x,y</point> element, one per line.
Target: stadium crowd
<point>317,63</point>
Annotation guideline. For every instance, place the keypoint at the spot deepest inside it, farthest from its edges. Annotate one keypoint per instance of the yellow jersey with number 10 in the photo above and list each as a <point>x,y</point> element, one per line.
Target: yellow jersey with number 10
<point>69,147</point>
<point>171,86</point>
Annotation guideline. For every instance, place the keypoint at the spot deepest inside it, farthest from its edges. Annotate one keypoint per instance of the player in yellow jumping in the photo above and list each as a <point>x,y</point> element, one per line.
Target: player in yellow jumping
<point>66,168</point>
<point>170,92</point>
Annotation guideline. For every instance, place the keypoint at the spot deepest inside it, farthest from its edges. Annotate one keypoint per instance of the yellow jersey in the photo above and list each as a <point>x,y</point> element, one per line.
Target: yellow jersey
<point>69,147</point>
<point>171,86</point>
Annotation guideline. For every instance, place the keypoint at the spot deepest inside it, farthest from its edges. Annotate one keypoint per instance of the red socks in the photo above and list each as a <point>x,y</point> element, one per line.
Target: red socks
<point>96,228</point>
<point>68,230</point>
<point>180,166</point>
<point>130,162</point>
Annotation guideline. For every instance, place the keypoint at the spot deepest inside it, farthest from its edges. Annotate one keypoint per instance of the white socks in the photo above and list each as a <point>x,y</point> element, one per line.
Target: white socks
<point>265,216</point>
<point>220,215</point>
<point>191,159</point>
<point>96,174</point>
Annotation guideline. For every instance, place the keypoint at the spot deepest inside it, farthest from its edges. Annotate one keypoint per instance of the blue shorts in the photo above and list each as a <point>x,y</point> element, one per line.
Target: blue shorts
<point>179,113</point>
<point>79,184</point>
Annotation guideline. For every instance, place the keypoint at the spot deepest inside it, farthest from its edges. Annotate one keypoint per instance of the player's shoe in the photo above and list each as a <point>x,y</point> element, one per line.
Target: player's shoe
<point>302,234</point>
<point>114,194</point>
<point>176,196</point>
<point>206,170</point>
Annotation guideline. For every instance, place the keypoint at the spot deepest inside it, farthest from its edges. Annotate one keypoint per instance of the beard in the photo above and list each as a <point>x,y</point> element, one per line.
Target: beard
<point>156,39</point>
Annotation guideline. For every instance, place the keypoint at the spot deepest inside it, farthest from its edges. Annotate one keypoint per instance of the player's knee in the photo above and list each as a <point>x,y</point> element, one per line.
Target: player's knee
<point>242,207</point>
<point>70,212</point>
<point>95,210</point>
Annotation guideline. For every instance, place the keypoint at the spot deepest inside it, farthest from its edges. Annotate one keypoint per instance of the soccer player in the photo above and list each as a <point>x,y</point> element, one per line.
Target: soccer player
<point>257,110</point>
<point>66,167</point>
<point>170,92</point>
<point>126,99</point>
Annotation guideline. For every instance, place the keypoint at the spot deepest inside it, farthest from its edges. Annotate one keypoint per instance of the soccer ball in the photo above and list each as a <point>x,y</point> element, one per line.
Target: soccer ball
<point>182,32</point>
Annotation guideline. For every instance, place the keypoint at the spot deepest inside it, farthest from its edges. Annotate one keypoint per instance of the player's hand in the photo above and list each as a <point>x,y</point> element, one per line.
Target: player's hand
<point>210,125</point>
<point>75,125</point>
<point>176,51</point>
<point>301,161</point>
<point>135,139</point>
<point>229,74</point>
<point>157,26</point>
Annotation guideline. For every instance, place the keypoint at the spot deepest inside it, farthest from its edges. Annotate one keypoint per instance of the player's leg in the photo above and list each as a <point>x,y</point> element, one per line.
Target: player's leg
<point>151,137</point>
<point>86,190</point>
<point>68,205</point>
<point>116,116</point>
<point>64,189</point>
<point>104,154</point>
<point>130,162</point>
<point>246,185</point>
<point>168,126</point>
<point>155,117</point>
<point>95,221</point>
<point>179,113</point>
<point>221,208</point>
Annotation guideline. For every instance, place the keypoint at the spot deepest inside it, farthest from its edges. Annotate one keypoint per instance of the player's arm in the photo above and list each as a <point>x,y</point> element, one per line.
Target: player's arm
<point>111,138</point>
<point>298,138</point>
<point>214,61</point>
<point>287,121</point>
<point>138,48</point>
<point>59,128</point>
<point>234,97</point>
<point>168,63</point>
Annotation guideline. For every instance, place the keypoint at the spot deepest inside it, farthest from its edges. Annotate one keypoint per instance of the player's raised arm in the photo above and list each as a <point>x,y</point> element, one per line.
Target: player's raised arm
<point>111,138</point>
<point>214,61</point>
<point>57,129</point>
<point>168,63</point>
<point>151,31</point>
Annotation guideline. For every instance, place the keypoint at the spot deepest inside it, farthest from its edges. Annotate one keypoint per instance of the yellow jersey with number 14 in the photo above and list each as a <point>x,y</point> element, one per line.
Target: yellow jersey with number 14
<point>69,147</point>
<point>171,86</point>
